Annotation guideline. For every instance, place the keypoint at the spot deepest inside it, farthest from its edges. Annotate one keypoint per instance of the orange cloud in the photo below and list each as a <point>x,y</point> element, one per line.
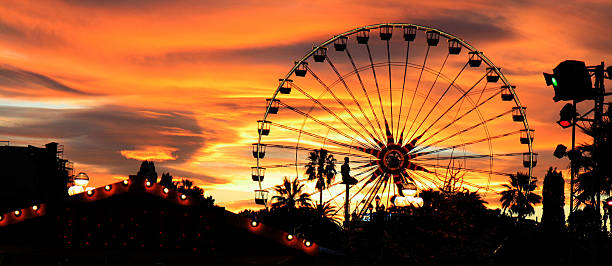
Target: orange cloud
<point>151,153</point>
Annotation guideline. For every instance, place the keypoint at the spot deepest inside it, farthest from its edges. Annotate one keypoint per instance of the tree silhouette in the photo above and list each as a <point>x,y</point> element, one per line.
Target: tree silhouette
<point>553,200</point>
<point>186,187</point>
<point>147,170</point>
<point>518,197</point>
<point>593,163</point>
<point>290,194</point>
<point>321,167</point>
<point>329,212</point>
<point>166,181</point>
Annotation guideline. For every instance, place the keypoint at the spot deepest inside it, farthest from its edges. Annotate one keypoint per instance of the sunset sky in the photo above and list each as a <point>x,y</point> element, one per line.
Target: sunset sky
<point>183,82</point>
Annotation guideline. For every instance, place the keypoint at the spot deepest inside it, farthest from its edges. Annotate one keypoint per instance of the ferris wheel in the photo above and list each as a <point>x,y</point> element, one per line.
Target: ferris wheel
<point>407,110</point>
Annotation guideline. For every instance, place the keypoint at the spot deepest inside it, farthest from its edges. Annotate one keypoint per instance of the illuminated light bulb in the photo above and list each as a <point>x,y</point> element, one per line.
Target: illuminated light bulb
<point>17,212</point>
<point>148,183</point>
<point>183,197</point>
<point>254,223</point>
<point>289,237</point>
<point>35,207</point>
<point>90,192</point>
<point>125,182</point>
<point>307,243</point>
<point>1,218</point>
<point>75,190</point>
<point>166,190</point>
<point>107,187</point>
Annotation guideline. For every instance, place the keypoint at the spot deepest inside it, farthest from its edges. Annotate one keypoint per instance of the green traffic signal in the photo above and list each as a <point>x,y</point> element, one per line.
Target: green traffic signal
<point>554,81</point>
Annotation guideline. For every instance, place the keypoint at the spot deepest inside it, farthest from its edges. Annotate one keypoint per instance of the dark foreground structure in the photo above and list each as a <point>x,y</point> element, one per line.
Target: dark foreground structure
<point>135,222</point>
<point>32,174</point>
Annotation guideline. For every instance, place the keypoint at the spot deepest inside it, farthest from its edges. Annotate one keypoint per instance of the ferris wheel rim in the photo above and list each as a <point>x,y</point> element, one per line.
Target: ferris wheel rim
<point>449,36</point>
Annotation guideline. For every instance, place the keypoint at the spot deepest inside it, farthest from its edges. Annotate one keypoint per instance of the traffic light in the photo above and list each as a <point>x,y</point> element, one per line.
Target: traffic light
<point>550,80</point>
<point>566,115</point>
<point>571,81</point>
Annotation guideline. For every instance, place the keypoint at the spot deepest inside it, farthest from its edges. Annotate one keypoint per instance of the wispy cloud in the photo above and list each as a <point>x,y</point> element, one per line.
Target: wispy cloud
<point>15,78</point>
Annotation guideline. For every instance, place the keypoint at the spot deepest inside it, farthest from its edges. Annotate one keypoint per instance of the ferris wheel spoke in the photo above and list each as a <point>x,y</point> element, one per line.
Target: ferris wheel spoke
<point>295,109</point>
<point>355,176</point>
<point>384,188</point>
<point>338,183</point>
<point>416,88</point>
<point>313,149</point>
<point>453,121</point>
<point>365,92</point>
<point>415,177</point>
<point>471,156</point>
<point>418,154</point>
<point>448,109</point>
<point>367,192</point>
<point>390,86</point>
<point>437,102</point>
<point>330,112</point>
<point>481,93</point>
<point>370,196</point>
<point>358,148</point>
<point>382,109</point>
<point>369,163</point>
<point>304,164</point>
<point>466,183</point>
<point>354,194</point>
<point>391,187</point>
<point>399,115</point>
<point>354,99</point>
<point>459,168</point>
<point>342,104</point>
<point>436,182</point>
<point>465,130</point>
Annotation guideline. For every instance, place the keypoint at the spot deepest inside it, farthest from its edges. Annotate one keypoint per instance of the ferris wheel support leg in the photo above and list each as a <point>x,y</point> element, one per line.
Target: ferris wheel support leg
<point>346,208</point>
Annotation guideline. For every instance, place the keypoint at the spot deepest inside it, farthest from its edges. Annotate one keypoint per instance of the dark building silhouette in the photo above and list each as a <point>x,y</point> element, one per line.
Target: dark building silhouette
<point>31,175</point>
<point>137,222</point>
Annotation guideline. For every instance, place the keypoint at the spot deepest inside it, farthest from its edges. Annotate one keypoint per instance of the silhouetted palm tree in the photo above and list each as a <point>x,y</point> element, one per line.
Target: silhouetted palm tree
<point>594,163</point>
<point>518,197</point>
<point>469,200</point>
<point>321,167</point>
<point>290,194</point>
<point>330,212</point>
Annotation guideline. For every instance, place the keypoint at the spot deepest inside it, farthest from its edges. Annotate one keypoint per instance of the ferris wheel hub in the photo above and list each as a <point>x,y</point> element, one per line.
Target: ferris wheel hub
<point>393,158</point>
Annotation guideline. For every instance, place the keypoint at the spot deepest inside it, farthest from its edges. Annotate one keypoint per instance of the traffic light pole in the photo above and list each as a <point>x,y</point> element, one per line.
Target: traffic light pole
<point>572,163</point>
<point>597,125</point>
